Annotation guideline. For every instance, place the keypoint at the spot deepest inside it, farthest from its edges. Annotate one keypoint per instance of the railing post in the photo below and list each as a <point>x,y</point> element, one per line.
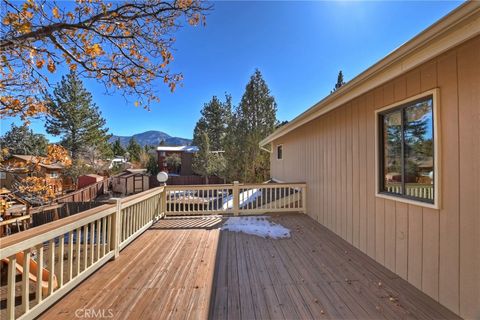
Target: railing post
<point>116,227</point>
<point>236,200</point>
<point>304,199</point>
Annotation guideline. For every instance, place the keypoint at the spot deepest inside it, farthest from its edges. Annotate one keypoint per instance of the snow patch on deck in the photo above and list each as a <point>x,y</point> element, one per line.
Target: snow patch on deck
<point>258,226</point>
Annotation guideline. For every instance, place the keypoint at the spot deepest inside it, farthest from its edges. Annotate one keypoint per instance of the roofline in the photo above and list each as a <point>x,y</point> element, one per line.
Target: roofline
<point>458,26</point>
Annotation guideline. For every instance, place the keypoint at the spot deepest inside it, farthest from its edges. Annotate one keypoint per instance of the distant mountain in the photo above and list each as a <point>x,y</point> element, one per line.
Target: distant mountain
<point>152,138</point>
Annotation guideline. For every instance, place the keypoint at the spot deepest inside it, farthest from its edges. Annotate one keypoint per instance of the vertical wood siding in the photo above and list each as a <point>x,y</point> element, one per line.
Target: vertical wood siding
<point>435,250</point>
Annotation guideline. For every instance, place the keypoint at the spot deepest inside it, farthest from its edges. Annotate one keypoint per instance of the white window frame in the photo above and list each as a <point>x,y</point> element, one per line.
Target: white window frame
<point>435,93</point>
<point>276,152</point>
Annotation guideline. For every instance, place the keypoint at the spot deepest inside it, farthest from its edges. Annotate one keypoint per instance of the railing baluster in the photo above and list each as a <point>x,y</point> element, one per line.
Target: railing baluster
<point>136,209</point>
<point>144,213</point>
<point>141,214</point>
<point>109,233</point>
<point>70,256</point>
<point>26,281</point>
<point>92,242</point>
<point>78,240</point>
<point>104,235</point>
<point>85,246</point>
<point>51,266</point>
<point>130,222</point>
<point>38,291</point>
<point>132,216</point>
<point>97,240</point>
<point>11,287</point>
<point>141,208</point>
<point>128,218</point>
<point>123,230</point>
<point>136,213</point>
<point>60,260</point>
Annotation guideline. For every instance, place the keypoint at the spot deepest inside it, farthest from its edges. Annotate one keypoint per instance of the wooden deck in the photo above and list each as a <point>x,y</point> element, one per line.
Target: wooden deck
<point>187,268</point>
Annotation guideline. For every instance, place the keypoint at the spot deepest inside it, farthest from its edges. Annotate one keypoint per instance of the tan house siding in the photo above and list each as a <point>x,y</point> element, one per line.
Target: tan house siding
<point>435,250</point>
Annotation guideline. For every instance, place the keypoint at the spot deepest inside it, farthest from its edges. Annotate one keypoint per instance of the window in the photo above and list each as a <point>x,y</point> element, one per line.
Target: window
<point>407,150</point>
<point>279,152</point>
<point>54,175</point>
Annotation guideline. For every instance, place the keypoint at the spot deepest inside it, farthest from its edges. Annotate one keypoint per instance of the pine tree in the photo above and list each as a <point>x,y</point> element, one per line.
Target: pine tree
<point>214,121</point>
<point>152,165</point>
<point>22,140</point>
<point>117,148</point>
<point>255,118</point>
<point>339,83</point>
<point>208,163</point>
<point>75,117</point>
<point>202,164</point>
<point>134,149</point>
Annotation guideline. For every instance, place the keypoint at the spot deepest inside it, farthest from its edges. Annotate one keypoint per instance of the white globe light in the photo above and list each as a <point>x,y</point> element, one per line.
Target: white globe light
<point>162,177</point>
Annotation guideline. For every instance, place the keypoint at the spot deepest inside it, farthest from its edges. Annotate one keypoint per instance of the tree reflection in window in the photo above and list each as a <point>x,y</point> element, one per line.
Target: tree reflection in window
<point>407,150</point>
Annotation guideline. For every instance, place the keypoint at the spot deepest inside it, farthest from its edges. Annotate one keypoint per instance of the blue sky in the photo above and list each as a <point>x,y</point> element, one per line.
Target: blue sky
<point>298,46</point>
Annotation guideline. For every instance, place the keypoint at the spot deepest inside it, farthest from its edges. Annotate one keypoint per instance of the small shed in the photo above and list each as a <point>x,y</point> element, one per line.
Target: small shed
<point>130,181</point>
<point>88,179</point>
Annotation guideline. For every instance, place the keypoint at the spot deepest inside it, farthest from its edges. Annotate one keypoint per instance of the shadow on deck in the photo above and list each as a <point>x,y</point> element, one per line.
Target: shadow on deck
<point>187,268</point>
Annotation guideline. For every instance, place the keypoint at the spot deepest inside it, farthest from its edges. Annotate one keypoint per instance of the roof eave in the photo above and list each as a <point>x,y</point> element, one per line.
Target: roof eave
<point>458,26</point>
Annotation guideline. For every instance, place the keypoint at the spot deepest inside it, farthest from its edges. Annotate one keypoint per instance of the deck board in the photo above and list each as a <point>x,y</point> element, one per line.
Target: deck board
<point>187,268</point>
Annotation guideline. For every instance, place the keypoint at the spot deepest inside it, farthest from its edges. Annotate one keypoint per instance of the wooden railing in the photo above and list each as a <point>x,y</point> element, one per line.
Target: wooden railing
<point>57,256</point>
<point>235,198</point>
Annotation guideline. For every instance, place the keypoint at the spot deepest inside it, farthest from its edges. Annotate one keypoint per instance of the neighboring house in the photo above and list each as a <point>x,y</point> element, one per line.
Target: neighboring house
<point>20,166</point>
<point>392,160</point>
<point>130,181</point>
<point>185,153</point>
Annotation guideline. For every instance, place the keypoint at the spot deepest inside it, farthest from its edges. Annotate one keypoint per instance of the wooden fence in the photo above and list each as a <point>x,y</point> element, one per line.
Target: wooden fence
<point>88,193</point>
<point>50,213</point>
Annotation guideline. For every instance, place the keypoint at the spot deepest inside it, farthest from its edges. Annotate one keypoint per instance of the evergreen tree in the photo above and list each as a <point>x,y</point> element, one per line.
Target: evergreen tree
<point>207,163</point>
<point>134,149</point>
<point>22,140</point>
<point>339,83</point>
<point>255,118</point>
<point>200,163</point>
<point>233,149</point>
<point>152,165</point>
<point>75,117</point>
<point>214,121</point>
<point>117,148</point>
